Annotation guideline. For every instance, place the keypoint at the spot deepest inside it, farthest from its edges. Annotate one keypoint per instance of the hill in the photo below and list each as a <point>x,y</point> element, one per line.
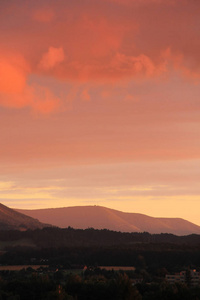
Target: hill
<point>13,220</point>
<point>99,217</point>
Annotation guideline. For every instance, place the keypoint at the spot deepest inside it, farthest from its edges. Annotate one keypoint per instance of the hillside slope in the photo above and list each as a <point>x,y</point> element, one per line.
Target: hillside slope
<point>11,219</point>
<point>100,217</point>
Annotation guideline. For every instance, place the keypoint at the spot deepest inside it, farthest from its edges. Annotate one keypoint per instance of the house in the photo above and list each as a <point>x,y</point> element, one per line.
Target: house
<point>190,277</point>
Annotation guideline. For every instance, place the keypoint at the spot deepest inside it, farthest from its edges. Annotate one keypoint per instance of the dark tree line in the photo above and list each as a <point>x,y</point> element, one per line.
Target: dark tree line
<point>69,237</point>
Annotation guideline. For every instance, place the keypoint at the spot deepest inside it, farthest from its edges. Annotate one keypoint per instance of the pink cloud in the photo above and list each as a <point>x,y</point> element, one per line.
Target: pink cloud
<point>15,92</point>
<point>53,57</point>
<point>106,41</point>
<point>13,71</point>
<point>133,65</point>
<point>85,96</point>
<point>39,99</point>
<point>42,100</point>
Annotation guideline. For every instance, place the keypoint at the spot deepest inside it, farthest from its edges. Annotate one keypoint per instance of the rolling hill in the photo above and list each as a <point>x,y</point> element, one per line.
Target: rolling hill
<point>11,219</point>
<point>99,217</point>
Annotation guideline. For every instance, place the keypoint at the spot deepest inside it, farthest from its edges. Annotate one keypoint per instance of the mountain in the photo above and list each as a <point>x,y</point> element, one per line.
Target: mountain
<point>11,219</point>
<point>100,217</point>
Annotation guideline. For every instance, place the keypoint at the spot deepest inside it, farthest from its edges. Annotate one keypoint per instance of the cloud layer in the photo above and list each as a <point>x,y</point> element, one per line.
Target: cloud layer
<point>94,42</point>
<point>105,40</point>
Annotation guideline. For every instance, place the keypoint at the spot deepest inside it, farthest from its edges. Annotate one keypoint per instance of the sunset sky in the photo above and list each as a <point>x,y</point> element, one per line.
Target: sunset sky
<point>100,105</point>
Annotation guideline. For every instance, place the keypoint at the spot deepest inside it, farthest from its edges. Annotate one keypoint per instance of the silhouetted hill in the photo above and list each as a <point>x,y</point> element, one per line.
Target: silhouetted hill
<point>11,219</point>
<point>99,217</point>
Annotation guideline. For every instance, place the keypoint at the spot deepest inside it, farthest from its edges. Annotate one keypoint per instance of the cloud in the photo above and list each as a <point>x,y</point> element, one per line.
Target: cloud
<point>15,92</point>
<point>39,99</point>
<point>98,44</point>
<point>6,185</point>
<point>104,41</point>
<point>53,57</point>
<point>133,65</point>
<point>13,72</point>
<point>85,96</point>
<point>42,100</point>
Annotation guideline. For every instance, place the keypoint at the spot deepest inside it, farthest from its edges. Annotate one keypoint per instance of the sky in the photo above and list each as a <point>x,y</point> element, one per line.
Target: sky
<point>100,105</point>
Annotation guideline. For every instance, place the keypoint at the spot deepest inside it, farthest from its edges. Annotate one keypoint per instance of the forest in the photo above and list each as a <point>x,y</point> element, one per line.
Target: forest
<point>71,263</point>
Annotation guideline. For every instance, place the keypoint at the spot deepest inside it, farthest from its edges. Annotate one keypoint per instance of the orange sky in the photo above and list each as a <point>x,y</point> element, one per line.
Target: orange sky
<point>100,105</point>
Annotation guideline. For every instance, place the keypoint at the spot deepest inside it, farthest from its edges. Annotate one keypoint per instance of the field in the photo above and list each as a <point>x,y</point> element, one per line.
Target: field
<point>20,267</point>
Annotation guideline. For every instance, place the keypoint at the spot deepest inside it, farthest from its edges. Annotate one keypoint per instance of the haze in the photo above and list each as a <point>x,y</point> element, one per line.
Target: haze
<point>99,105</point>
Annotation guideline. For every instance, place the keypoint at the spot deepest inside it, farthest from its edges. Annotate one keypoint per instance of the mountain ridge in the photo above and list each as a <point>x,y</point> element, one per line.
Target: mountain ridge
<point>11,219</point>
<point>100,217</point>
